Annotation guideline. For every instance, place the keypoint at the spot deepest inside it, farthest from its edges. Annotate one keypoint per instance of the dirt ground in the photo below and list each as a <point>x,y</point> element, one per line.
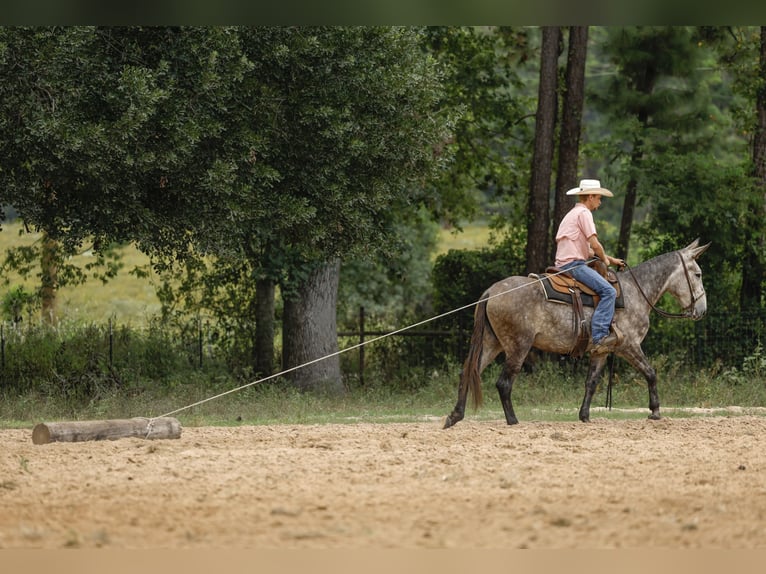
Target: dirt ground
<point>676,483</point>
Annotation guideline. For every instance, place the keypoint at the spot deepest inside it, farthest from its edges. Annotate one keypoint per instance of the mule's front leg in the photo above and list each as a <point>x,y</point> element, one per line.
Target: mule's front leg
<point>639,362</point>
<point>654,397</point>
<point>597,363</point>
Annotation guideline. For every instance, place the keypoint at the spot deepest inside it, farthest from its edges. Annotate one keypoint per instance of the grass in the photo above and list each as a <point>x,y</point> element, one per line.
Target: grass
<point>128,298</point>
<point>551,393</point>
<point>472,236</point>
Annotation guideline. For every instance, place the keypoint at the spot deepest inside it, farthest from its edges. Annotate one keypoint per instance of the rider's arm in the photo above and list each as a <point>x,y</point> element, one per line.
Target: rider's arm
<point>598,249</point>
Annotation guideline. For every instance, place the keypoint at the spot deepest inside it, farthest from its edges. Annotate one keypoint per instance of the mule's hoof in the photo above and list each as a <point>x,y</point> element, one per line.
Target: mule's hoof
<point>654,417</point>
<point>585,419</point>
<point>513,421</point>
<point>449,422</point>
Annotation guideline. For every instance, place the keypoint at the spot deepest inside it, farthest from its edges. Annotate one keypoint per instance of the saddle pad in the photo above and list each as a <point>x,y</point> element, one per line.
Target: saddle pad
<point>559,295</point>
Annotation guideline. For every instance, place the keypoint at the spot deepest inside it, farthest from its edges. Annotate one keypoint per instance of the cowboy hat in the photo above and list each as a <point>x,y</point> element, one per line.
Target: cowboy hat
<point>590,187</point>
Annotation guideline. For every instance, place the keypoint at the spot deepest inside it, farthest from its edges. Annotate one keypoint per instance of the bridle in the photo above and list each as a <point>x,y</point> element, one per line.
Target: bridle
<point>688,312</point>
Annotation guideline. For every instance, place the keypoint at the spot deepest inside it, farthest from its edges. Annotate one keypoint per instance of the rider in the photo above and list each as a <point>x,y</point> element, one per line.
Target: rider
<point>576,242</point>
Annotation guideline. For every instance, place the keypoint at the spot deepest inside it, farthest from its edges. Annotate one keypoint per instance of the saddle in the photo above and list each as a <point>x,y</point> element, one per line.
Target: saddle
<point>560,287</point>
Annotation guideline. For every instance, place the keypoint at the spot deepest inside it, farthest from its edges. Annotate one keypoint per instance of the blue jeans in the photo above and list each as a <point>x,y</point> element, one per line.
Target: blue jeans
<point>602,316</point>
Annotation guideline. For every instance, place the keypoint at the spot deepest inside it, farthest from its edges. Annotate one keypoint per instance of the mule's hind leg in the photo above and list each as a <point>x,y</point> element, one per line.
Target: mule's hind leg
<point>504,386</point>
<point>470,379</point>
<point>597,363</point>
<point>458,412</point>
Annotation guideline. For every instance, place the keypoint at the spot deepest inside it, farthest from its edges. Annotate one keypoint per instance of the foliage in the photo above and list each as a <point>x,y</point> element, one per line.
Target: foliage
<point>356,124</point>
<point>485,67</point>
<point>460,278</point>
<point>24,261</point>
<point>262,150</point>
<point>696,195</point>
<point>393,290</point>
<point>119,133</point>
<point>657,100</point>
<point>551,392</point>
<point>85,362</point>
<point>16,302</point>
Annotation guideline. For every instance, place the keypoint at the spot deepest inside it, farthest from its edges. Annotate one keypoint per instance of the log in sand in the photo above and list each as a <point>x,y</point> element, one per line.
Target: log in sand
<point>76,431</point>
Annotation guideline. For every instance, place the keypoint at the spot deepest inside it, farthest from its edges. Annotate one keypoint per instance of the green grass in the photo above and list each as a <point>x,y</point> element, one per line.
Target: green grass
<point>472,236</point>
<point>551,393</point>
<point>127,298</point>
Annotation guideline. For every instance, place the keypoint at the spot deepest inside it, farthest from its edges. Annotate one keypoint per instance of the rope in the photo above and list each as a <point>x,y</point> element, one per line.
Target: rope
<point>353,347</point>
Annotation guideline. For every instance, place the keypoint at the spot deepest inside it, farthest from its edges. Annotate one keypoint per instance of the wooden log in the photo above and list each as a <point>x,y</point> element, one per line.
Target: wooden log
<point>76,431</point>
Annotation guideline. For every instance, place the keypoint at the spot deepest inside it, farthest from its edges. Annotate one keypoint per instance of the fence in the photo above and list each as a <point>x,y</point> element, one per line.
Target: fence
<point>724,338</point>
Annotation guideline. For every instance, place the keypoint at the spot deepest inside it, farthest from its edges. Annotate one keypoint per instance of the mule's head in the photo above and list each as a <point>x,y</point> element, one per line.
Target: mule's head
<point>687,281</point>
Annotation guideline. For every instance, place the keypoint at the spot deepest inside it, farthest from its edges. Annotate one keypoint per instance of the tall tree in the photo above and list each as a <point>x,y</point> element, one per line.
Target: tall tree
<point>754,267</point>
<point>571,126</point>
<point>353,126</point>
<point>359,125</point>
<point>653,100</point>
<point>538,210</point>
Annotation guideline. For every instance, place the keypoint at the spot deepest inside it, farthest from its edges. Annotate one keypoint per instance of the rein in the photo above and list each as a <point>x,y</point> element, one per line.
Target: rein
<point>688,312</point>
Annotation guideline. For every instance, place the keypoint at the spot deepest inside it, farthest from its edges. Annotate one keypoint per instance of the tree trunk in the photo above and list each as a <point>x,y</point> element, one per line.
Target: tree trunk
<point>49,265</point>
<point>310,332</point>
<point>631,191</point>
<point>754,266</point>
<point>571,127</point>
<point>538,209</point>
<point>264,328</point>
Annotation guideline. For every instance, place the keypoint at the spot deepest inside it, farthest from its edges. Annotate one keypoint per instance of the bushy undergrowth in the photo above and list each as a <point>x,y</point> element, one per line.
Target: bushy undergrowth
<point>74,374</point>
<point>87,362</point>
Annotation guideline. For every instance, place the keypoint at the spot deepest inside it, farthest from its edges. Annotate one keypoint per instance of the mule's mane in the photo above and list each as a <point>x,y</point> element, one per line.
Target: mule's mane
<point>653,273</point>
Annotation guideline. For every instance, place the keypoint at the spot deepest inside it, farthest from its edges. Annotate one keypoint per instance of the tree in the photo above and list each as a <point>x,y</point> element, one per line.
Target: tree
<point>754,267</point>
<point>358,126</point>
<point>354,128</point>
<point>542,159</point>
<point>483,68</point>
<point>655,102</point>
<point>571,126</point>
<point>125,134</point>
<point>717,190</point>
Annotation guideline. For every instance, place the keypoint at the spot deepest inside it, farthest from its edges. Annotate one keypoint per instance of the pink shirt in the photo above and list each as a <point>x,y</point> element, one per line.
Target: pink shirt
<point>573,234</point>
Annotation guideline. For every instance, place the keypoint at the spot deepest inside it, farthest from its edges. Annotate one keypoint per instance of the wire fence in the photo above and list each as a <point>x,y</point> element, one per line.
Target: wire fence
<point>725,338</point>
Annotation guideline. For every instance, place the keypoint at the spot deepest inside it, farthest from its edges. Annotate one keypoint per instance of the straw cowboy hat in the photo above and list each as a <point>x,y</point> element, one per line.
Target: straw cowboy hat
<point>590,187</point>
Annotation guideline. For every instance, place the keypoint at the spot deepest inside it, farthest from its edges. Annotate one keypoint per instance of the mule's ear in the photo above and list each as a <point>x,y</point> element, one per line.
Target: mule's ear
<point>693,244</point>
<point>697,251</point>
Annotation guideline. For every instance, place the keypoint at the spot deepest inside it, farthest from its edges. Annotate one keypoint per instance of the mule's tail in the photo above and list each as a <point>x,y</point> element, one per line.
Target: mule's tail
<point>470,376</point>
<point>470,383</point>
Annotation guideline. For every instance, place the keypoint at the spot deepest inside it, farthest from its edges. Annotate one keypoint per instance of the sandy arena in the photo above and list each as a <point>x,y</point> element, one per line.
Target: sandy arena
<point>676,483</point>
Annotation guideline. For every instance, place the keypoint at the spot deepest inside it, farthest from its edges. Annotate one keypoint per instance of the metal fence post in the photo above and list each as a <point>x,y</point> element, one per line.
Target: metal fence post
<point>111,343</point>
<point>361,345</point>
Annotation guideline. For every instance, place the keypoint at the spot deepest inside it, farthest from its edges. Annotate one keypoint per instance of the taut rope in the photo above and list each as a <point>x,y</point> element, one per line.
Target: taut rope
<point>351,348</point>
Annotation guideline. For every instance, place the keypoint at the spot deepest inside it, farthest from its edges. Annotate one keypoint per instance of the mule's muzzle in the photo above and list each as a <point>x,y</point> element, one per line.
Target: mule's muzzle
<point>700,309</point>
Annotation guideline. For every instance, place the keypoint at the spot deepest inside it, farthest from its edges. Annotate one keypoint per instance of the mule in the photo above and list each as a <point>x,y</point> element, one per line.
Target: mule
<point>513,316</point>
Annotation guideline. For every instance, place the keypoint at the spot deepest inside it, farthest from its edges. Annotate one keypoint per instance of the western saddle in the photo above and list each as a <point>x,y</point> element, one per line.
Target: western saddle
<point>560,287</point>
